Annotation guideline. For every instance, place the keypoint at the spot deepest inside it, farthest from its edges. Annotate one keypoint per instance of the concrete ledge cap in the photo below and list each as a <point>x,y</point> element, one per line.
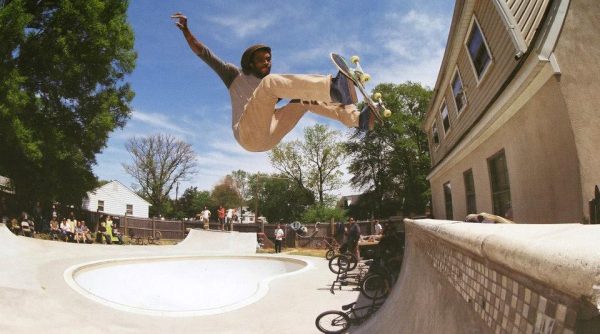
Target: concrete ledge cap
<point>564,256</point>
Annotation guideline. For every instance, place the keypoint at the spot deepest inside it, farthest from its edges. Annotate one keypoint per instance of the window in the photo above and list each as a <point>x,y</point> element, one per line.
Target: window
<point>129,209</point>
<point>499,182</point>
<point>445,117</point>
<point>478,50</point>
<point>435,134</point>
<point>448,200</point>
<point>459,94</point>
<point>470,191</point>
<point>100,205</point>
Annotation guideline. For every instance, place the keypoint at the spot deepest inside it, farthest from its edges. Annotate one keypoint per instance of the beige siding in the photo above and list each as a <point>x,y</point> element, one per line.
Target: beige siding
<point>543,173</point>
<point>479,94</point>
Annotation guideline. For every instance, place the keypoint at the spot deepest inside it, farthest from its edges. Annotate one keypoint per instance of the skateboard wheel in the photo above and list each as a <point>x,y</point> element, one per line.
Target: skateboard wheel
<point>354,59</point>
<point>387,113</point>
<point>377,96</point>
<point>365,77</point>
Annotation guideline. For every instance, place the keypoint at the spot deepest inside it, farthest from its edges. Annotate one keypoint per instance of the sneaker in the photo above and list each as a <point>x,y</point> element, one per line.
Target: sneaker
<point>342,90</point>
<point>366,120</point>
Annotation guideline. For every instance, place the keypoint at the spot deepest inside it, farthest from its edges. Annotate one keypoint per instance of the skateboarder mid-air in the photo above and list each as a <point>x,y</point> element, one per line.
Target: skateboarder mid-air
<point>257,124</point>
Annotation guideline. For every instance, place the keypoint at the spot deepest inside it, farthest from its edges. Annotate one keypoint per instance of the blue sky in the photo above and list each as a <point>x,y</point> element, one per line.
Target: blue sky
<point>176,93</point>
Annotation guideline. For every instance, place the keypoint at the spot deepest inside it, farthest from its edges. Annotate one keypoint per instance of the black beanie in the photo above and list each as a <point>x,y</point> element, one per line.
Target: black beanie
<point>247,56</point>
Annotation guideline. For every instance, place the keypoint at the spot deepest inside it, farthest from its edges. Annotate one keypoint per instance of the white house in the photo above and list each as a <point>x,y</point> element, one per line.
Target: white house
<point>116,199</point>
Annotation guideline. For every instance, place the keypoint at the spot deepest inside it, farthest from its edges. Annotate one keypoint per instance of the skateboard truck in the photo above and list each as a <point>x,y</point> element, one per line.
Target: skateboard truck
<point>359,77</point>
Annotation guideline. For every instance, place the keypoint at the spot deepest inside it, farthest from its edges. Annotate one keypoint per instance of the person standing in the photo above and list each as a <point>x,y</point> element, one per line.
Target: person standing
<point>278,238</point>
<point>229,219</point>
<point>221,215</point>
<point>378,228</point>
<point>206,218</point>
<point>353,237</point>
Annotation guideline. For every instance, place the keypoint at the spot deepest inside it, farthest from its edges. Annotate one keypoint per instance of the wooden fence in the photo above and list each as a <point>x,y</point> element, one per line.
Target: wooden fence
<point>317,235</point>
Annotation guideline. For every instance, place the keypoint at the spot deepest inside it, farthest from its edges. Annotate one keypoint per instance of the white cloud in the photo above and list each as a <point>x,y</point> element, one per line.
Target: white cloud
<point>244,25</point>
<point>159,121</point>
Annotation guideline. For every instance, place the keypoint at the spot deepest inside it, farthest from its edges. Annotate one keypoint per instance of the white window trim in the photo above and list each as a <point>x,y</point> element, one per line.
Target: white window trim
<point>435,146</point>
<point>462,83</point>
<point>446,132</point>
<point>466,45</point>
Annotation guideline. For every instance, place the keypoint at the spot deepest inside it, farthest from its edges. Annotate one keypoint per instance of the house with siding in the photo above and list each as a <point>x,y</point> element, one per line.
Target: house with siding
<point>514,123</point>
<point>116,199</point>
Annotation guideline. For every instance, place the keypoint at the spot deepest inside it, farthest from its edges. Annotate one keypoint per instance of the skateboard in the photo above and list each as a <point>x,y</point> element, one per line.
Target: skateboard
<point>359,78</point>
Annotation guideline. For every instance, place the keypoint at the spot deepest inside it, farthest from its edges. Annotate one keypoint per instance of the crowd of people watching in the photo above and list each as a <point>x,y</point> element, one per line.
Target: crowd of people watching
<point>68,229</point>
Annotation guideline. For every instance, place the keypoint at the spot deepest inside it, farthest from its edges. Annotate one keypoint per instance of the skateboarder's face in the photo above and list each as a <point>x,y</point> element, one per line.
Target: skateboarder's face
<point>261,63</point>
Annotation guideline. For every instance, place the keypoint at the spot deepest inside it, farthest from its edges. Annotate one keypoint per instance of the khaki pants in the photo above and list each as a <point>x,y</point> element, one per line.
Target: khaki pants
<point>262,126</point>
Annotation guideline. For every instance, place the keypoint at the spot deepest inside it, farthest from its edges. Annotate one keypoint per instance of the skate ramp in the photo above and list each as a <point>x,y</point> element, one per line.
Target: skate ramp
<point>219,242</point>
<point>485,278</point>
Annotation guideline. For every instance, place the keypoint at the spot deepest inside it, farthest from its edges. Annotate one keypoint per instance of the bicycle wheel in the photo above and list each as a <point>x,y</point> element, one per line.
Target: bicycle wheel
<point>333,322</point>
<point>330,254</point>
<point>375,286</point>
<point>352,261</point>
<point>339,264</point>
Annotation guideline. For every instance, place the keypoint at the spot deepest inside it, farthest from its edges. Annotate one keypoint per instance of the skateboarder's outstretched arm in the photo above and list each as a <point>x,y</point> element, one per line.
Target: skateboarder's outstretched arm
<point>227,72</point>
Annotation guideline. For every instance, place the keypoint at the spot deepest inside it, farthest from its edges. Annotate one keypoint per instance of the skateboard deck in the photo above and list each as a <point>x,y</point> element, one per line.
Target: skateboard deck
<point>359,78</point>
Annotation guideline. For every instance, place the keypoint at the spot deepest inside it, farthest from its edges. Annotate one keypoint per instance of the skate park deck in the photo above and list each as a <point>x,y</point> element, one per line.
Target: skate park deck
<point>36,298</point>
<point>456,278</point>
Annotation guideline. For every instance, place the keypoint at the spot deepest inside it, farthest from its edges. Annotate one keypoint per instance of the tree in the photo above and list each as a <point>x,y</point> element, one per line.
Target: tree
<point>193,201</point>
<point>62,92</point>
<point>226,194</point>
<point>392,161</point>
<point>313,163</point>
<point>278,197</point>
<point>159,162</point>
<point>319,213</point>
<point>240,183</point>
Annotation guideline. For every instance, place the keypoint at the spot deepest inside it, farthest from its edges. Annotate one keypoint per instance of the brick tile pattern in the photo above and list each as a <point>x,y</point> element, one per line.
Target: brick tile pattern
<point>505,303</point>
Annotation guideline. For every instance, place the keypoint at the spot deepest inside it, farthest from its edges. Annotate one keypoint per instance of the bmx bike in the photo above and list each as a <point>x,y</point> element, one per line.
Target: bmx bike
<point>335,322</point>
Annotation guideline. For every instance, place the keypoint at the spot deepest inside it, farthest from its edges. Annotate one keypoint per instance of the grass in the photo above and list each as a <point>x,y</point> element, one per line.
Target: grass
<point>297,251</point>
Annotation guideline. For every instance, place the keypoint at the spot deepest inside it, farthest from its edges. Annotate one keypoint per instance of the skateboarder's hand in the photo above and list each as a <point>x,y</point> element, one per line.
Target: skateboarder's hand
<point>181,20</point>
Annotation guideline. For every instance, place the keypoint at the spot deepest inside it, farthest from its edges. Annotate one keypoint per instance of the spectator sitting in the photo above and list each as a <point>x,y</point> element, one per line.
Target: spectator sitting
<point>116,235</point>
<point>79,235</point>
<point>54,229</point>
<point>27,228</point>
<point>87,234</point>
<point>14,226</point>
<point>102,233</point>
<point>65,229</point>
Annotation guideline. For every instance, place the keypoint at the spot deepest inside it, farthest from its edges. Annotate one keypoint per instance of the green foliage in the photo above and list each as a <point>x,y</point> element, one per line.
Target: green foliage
<point>313,163</point>
<point>320,213</point>
<point>193,202</point>
<point>277,197</point>
<point>62,92</point>
<point>392,161</point>
<point>225,194</point>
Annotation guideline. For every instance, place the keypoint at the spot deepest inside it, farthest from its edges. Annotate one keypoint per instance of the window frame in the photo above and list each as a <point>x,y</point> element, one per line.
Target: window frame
<point>497,194</point>
<point>449,210</point>
<point>478,77</point>
<point>470,194</point>
<point>100,207</point>
<point>129,211</point>
<point>444,106</point>
<point>464,95</point>
<point>435,134</point>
